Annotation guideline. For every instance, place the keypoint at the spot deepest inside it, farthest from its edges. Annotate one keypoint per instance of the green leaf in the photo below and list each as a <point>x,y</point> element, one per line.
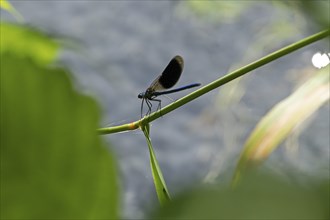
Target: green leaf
<point>281,121</point>
<point>258,197</point>
<point>53,163</point>
<point>26,42</point>
<point>4,4</point>
<point>160,185</point>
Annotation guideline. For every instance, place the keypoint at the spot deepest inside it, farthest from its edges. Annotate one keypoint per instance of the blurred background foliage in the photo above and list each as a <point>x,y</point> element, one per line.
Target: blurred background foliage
<point>53,165</point>
<point>317,11</point>
<point>259,196</point>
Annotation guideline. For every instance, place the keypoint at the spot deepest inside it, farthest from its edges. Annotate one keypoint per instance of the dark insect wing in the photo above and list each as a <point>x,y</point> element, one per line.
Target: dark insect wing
<point>172,72</point>
<point>170,75</point>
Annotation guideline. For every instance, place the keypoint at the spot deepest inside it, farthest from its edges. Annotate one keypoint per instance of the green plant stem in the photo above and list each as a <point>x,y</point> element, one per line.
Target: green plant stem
<point>217,83</point>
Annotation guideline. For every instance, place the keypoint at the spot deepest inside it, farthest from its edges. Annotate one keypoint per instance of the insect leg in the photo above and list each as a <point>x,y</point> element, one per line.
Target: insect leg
<point>159,107</point>
<point>149,104</point>
<point>143,100</point>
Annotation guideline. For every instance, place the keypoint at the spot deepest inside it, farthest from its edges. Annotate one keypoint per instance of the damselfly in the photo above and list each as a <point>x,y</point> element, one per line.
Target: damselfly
<point>166,80</point>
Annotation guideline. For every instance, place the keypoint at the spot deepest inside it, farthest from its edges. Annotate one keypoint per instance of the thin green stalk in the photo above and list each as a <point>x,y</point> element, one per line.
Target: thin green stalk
<point>217,83</point>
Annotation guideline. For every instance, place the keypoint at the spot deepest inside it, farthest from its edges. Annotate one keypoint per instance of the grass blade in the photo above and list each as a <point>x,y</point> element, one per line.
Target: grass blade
<point>282,120</point>
<point>160,185</point>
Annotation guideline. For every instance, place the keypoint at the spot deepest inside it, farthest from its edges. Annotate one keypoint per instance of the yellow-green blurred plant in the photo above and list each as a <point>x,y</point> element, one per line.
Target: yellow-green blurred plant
<point>5,5</point>
<point>283,119</point>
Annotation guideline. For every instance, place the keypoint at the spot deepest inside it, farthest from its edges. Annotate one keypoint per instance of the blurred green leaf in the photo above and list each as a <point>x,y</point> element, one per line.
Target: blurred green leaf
<point>4,4</point>
<point>160,185</point>
<point>27,42</point>
<point>258,197</point>
<point>53,164</point>
<point>280,122</point>
<point>317,11</point>
<point>218,10</point>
